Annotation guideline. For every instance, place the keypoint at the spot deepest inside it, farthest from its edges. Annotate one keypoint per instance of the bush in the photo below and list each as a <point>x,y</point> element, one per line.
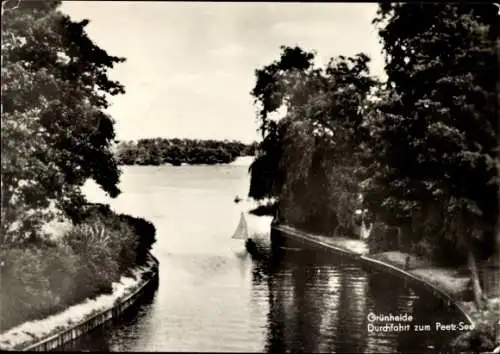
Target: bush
<point>141,234</point>
<point>383,238</point>
<point>145,233</point>
<point>265,209</point>
<point>96,244</point>
<point>40,278</point>
<point>36,282</point>
<point>480,340</point>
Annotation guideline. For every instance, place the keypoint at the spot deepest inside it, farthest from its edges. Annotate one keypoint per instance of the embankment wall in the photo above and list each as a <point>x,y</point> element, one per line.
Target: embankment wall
<point>70,334</point>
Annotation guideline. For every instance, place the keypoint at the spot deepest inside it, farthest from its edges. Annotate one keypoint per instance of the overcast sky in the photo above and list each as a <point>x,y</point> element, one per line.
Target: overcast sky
<point>190,66</point>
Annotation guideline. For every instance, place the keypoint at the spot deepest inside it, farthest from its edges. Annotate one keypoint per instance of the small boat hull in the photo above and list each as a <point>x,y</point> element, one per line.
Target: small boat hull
<point>255,250</point>
<point>292,249</point>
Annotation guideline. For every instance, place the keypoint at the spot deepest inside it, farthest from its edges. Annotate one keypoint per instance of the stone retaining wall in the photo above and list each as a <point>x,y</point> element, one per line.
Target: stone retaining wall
<point>68,335</point>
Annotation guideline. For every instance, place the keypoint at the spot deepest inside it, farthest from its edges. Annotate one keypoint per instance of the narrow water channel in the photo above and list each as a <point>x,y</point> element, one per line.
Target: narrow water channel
<point>211,299</point>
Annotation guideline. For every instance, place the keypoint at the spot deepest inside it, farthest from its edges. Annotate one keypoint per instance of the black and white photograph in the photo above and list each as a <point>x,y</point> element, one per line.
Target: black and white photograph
<point>250,177</point>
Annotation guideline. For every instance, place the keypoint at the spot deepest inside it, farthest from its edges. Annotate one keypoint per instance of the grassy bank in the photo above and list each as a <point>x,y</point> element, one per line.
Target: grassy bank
<point>43,277</point>
<point>32,332</point>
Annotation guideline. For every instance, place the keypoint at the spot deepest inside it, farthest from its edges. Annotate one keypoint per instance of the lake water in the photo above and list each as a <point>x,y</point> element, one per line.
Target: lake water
<point>211,299</point>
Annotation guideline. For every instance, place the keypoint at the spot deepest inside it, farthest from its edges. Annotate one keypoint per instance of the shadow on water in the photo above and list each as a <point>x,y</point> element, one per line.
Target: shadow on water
<point>311,302</point>
<point>100,338</point>
<point>212,299</point>
<point>320,303</point>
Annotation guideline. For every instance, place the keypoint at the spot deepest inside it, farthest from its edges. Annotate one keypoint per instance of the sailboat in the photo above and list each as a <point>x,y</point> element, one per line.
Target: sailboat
<point>251,246</point>
<point>241,232</point>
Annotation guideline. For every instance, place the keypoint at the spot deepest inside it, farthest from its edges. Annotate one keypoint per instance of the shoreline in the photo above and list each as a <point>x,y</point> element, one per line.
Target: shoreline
<point>446,282</point>
<point>238,161</point>
<point>60,328</point>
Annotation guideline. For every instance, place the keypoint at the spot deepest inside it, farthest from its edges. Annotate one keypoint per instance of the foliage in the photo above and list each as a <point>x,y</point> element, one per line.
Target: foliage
<point>435,130</point>
<point>39,279</point>
<point>270,94</point>
<point>99,247</point>
<point>176,151</point>
<point>267,177</point>
<point>36,282</point>
<point>268,208</point>
<point>383,238</point>
<point>55,134</point>
<point>143,230</point>
<point>421,149</point>
<point>485,336</point>
<point>270,85</point>
<point>311,157</point>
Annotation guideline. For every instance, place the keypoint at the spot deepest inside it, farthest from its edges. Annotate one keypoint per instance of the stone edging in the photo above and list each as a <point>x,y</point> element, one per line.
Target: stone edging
<point>384,266</point>
<point>435,289</point>
<point>96,320</point>
<point>302,236</point>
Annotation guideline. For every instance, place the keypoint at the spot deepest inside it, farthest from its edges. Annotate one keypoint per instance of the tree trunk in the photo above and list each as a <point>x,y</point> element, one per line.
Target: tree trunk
<point>466,229</point>
<point>476,283</point>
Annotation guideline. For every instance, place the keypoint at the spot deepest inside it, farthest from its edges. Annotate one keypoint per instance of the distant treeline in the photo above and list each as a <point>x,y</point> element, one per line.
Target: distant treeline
<point>175,151</point>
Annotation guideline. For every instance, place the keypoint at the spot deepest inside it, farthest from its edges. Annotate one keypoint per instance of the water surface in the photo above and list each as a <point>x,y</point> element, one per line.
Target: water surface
<point>211,299</point>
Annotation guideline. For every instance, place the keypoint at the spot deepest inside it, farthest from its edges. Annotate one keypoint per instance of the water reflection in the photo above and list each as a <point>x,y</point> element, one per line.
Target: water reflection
<point>304,303</point>
<point>323,307</point>
<point>212,299</point>
<point>351,321</point>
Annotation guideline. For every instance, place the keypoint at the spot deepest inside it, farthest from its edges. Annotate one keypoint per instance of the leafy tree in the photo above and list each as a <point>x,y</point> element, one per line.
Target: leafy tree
<point>311,157</point>
<point>55,134</point>
<point>269,95</point>
<point>436,130</point>
<point>266,178</point>
<point>325,140</point>
<point>175,151</point>
<point>268,90</point>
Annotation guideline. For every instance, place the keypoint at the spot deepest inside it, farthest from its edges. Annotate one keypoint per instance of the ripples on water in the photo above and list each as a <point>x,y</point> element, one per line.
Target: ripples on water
<point>212,299</point>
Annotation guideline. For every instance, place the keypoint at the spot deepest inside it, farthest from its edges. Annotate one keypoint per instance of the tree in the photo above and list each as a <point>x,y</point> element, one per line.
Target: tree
<point>436,132</point>
<point>266,177</point>
<point>310,158</point>
<point>325,139</point>
<point>55,134</point>
<point>158,150</point>
<point>268,90</point>
<point>269,95</point>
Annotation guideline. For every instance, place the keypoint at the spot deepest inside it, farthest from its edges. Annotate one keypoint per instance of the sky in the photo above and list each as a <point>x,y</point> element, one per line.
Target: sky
<point>191,65</point>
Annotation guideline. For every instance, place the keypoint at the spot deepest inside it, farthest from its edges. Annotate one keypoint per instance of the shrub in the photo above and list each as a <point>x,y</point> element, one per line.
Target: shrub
<point>383,238</point>
<point>96,244</point>
<point>36,282</point>
<point>40,278</point>
<point>124,239</point>
<point>480,340</point>
<point>265,209</point>
<point>61,269</point>
<point>146,234</point>
<point>142,230</point>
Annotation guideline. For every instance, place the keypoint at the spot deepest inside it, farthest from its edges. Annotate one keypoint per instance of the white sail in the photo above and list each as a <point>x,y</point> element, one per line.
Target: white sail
<point>241,232</point>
